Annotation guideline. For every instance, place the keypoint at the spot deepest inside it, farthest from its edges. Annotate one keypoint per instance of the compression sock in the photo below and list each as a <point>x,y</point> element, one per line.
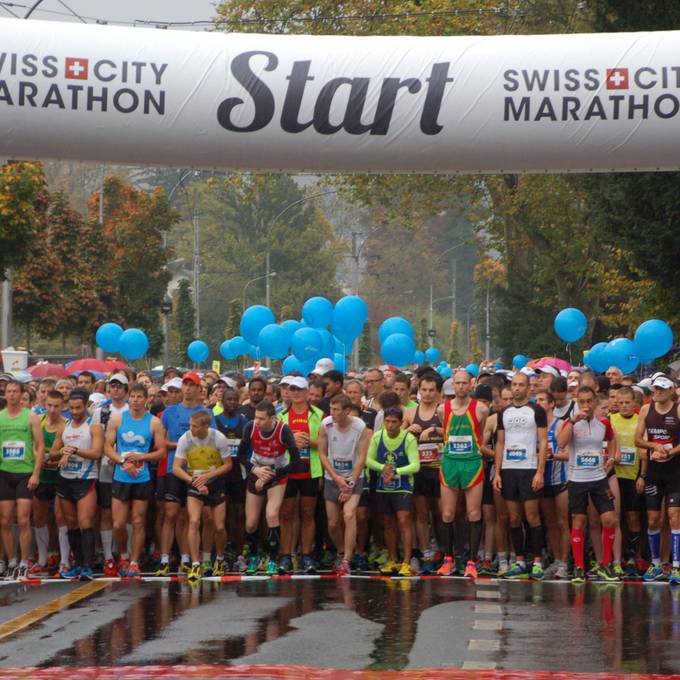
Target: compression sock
<point>64,546</point>
<point>536,536</point>
<point>675,547</point>
<point>475,538</point>
<point>87,538</point>
<point>608,535</point>
<point>42,541</point>
<point>75,542</point>
<point>107,543</point>
<point>450,535</point>
<point>633,544</point>
<point>578,547</point>
<point>252,542</point>
<point>517,539</point>
<point>273,540</point>
<point>654,538</point>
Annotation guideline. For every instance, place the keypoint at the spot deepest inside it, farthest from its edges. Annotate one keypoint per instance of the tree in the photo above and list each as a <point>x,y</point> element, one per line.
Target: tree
<point>234,320</point>
<point>476,354</point>
<point>365,348</point>
<point>454,357</point>
<point>185,314</point>
<point>422,333</point>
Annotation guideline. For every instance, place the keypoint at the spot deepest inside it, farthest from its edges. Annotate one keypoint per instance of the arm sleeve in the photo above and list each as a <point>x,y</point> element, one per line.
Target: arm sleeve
<point>413,457</point>
<point>372,455</point>
<point>244,447</point>
<point>289,440</point>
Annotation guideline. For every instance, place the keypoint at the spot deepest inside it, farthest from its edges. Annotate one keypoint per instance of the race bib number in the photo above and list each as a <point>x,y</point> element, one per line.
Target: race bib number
<point>515,453</point>
<point>627,456</point>
<point>13,450</point>
<point>343,465</point>
<point>428,452</point>
<point>460,443</point>
<point>233,447</point>
<point>73,464</point>
<point>588,460</point>
<point>304,453</point>
<point>394,485</point>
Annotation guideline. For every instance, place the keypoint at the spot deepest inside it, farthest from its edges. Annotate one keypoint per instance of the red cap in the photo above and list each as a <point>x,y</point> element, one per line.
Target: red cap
<point>194,377</point>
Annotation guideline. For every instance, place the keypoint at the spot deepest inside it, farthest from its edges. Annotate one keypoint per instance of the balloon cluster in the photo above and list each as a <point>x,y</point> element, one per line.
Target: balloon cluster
<point>131,343</point>
<point>325,331</point>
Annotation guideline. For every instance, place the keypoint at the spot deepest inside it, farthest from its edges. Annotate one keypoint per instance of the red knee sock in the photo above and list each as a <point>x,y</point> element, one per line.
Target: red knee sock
<point>578,547</point>
<point>608,536</point>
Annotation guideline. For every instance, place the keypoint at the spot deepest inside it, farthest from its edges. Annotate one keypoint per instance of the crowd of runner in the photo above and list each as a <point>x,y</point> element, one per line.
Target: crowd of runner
<point>527,475</point>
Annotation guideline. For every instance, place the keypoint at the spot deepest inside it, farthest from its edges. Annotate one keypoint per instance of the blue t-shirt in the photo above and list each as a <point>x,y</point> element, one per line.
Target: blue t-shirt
<point>134,435</point>
<point>175,420</point>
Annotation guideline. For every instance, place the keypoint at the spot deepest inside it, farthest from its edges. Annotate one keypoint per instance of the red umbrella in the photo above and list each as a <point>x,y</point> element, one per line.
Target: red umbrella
<point>48,371</point>
<point>100,365</point>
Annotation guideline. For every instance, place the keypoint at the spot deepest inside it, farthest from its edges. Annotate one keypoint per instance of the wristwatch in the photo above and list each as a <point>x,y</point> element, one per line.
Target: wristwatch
<point>350,483</point>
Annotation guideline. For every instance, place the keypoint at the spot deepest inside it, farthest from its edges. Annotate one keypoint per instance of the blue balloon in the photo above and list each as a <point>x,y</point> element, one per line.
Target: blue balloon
<point>654,338</point>
<point>596,359</point>
<point>198,351</point>
<point>254,319</point>
<point>394,325</point>
<point>398,349</point>
<point>519,361</point>
<point>273,341</point>
<point>318,312</point>
<point>444,371</point>
<point>290,326</point>
<point>341,347</point>
<point>432,354</point>
<point>291,364</point>
<point>239,346</point>
<point>108,336</point>
<point>622,354</point>
<point>133,344</point>
<point>571,324</point>
<point>473,369</point>
<point>226,351</point>
<point>307,344</point>
<point>349,316</point>
<point>252,351</point>
<point>328,350</point>
<point>419,357</point>
<point>340,362</point>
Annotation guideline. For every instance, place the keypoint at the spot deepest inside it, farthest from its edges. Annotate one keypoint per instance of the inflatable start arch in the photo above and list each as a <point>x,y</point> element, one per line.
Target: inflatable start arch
<point>340,104</point>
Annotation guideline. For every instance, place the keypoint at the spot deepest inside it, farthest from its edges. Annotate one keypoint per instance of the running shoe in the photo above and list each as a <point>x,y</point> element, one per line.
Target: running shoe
<point>606,573</point>
<point>405,570</point>
<point>241,564</point>
<point>675,576</point>
<point>579,576</point>
<point>86,574</point>
<point>591,574</point>
<point>427,563</point>
<point>163,570</point>
<point>486,568</point>
<point>470,569</point>
<point>253,564</point>
<point>273,568</point>
<point>73,572</point>
<point>550,571</point>
<point>361,562</point>
<point>184,568</point>
<point>207,568</point>
<point>38,571</point>
<point>389,568</point>
<point>307,565</point>
<point>21,573</point>
<point>3,568</point>
<point>326,561</point>
<point>219,568</point>
<point>448,567</point>
<point>654,573</point>
<point>562,574</point>
<point>63,568</point>
<point>194,572</point>
<point>337,563</point>
<point>133,570</point>
<point>618,571</point>
<point>110,569</point>
<point>285,565</point>
<point>415,565</point>
<point>630,573</point>
<point>516,572</point>
<point>123,567</point>
<point>536,571</point>
<point>344,568</point>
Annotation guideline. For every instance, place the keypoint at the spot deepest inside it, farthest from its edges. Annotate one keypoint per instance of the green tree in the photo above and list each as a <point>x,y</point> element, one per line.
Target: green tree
<point>454,357</point>
<point>234,320</point>
<point>185,314</point>
<point>365,347</point>
<point>476,354</point>
<point>422,333</point>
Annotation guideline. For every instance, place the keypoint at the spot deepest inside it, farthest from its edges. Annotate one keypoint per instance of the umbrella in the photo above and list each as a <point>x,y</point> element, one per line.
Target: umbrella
<point>101,365</point>
<point>22,375</point>
<point>559,364</point>
<point>45,370</point>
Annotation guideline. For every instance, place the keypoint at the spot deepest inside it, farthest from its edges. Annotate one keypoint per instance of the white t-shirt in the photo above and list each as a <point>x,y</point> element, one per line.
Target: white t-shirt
<point>215,440</point>
<point>521,425</point>
<point>586,455</point>
<point>343,445</point>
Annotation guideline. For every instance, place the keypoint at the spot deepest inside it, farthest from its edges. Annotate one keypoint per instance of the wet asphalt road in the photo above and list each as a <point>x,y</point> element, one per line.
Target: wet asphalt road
<point>352,624</point>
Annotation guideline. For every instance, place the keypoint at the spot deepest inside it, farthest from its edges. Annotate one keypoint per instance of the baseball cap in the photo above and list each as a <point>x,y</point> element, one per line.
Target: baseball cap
<point>119,377</point>
<point>299,382</point>
<point>663,382</point>
<point>528,371</point>
<point>173,382</point>
<point>547,368</point>
<point>645,383</point>
<point>447,387</point>
<point>97,398</point>
<point>483,392</point>
<point>7,377</point>
<point>286,379</point>
<point>192,377</point>
<point>323,366</point>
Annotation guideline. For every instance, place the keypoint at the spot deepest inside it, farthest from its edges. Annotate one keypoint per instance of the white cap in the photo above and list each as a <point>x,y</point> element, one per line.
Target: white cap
<point>97,398</point>
<point>119,377</point>
<point>663,382</point>
<point>229,382</point>
<point>447,387</point>
<point>323,366</point>
<point>547,368</point>
<point>299,382</point>
<point>528,371</point>
<point>173,382</point>
<point>645,383</point>
<point>286,379</point>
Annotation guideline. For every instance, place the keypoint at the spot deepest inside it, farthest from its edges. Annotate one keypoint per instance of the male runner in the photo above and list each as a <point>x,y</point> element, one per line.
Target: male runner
<point>274,455</point>
<point>256,391</point>
<point>583,434</point>
<point>660,422</point>
<point>202,460</point>
<point>462,468</point>
<point>22,451</point>
<point>134,438</point>
<point>402,386</point>
<point>374,383</point>
<point>343,445</point>
<point>78,448</point>
<point>45,386</point>
<point>521,446</point>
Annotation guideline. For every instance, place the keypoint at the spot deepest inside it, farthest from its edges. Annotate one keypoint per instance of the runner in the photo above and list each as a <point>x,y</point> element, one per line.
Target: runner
<point>374,384</point>
<point>133,440</point>
<point>660,422</point>
<point>86,381</point>
<point>521,445</point>
<point>78,448</point>
<point>22,449</point>
<point>425,424</point>
<point>343,445</point>
<point>52,423</point>
<point>580,438</point>
<point>402,386</point>
<point>202,460</point>
<point>257,388</point>
<point>45,386</point>
<point>462,469</point>
<point>274,455</point>
<point>393,454</point>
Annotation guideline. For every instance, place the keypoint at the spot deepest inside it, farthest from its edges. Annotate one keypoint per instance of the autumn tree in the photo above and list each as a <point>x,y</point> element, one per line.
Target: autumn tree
<point>185,314</point>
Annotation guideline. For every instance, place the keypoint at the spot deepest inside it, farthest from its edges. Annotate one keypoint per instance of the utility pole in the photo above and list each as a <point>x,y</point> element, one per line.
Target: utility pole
<point>453,288</point>
<point>197,264</point>
<point>7,340</point>
<point>99,352</point>
<point>268,292</point>
<point>487,337</point>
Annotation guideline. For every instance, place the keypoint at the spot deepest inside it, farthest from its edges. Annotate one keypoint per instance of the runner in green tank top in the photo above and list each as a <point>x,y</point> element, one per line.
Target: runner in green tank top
<point>21,458</point>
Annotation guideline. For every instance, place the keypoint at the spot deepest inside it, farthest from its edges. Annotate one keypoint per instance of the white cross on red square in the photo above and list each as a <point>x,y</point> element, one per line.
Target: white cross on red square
<point>617,78</point>
<point>76,68</point>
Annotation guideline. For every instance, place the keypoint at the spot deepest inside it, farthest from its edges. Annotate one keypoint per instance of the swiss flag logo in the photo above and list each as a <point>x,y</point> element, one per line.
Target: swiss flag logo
<point>76,68</point>
<point>617,78</point>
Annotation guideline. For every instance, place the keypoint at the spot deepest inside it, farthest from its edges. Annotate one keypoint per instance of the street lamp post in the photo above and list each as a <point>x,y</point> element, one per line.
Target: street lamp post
<point>257,278</point>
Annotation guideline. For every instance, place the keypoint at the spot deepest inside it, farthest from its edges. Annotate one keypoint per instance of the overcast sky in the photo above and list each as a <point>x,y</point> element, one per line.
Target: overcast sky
<point>126,11</point>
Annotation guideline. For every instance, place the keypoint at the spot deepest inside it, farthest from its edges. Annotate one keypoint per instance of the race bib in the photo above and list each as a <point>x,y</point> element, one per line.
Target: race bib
<point>343,465</point>
<point>13,450</point>
<point>428,452</point>
<point>588,460</point>
<point>549,452</point>
<point>460,443</point>
<point>515,453</point>
<point>233,447</point>
<point>627,456</point>
<point>394,485</point>
<point>304,453</point>
<point>73,464</point>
